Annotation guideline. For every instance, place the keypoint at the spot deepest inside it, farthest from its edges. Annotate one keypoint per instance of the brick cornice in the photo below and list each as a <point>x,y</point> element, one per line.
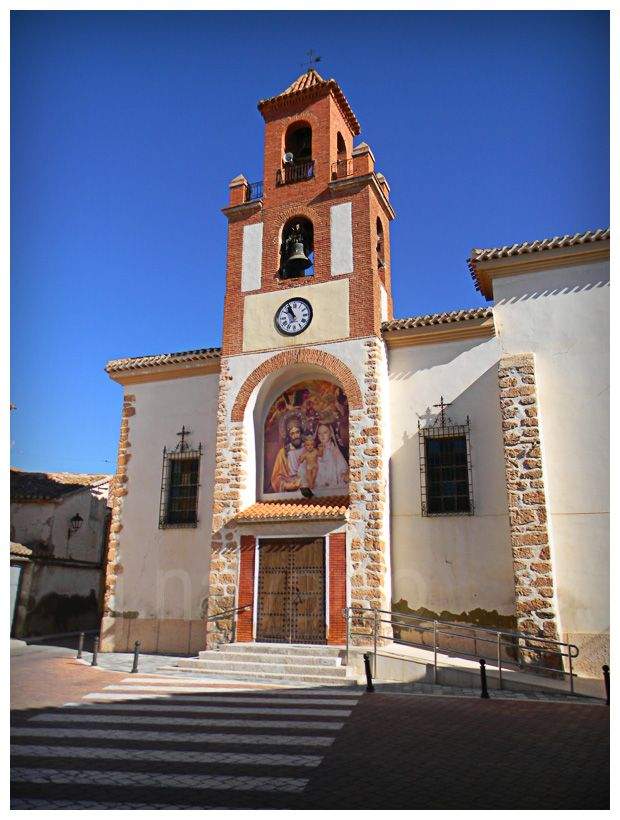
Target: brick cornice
<point>320,358</point>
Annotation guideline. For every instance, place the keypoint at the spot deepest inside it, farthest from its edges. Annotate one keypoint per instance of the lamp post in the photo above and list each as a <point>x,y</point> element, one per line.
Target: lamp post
<point>74,525</point>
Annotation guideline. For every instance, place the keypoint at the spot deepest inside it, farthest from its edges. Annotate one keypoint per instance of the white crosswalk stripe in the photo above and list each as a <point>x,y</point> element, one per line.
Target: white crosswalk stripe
<point>192,698</point>
<point>211,709</point>
<point>172,736</point>
<point>158,779</point>
<point>157,720</point>
<point>166,755</point>
<point>272,741</point>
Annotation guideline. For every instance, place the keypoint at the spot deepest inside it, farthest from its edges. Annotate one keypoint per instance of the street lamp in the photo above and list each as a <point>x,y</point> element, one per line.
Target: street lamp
<point>74,525</point>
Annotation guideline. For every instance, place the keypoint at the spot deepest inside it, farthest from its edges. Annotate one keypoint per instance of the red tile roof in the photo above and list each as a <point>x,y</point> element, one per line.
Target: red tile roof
<point>308,83</point>
<point>298,509</point>
<point>553,243</point>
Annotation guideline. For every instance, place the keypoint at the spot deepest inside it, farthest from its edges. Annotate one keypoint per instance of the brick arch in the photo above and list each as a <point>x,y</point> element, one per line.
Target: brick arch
<point>302,356</point>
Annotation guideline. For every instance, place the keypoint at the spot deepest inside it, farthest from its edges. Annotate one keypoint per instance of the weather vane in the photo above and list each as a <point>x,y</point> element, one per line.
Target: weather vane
<point>313,59</point>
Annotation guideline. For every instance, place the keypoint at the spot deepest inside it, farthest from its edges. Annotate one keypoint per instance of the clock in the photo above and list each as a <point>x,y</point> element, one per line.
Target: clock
<point>293,317</point>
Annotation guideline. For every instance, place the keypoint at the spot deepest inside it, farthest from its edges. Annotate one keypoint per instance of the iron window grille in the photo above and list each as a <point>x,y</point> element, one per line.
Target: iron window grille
<point>180,482</point>
<point>446,480</point>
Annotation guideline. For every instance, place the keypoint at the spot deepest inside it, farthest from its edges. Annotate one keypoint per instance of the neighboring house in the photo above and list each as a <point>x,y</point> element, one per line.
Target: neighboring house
<point>59,531</point>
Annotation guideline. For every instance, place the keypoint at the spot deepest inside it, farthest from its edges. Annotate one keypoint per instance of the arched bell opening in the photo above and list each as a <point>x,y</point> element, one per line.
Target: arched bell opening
<point>301,435</point>
<point>298,142</point>
<point>297,162</point>
<point>380,249</point>
<point>297,249</point>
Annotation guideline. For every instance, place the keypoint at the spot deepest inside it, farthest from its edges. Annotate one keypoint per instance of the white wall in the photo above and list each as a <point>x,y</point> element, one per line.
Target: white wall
<point>252,257</point>
<point>165,572</point>
<point>39,523</point>
<point>562,316</point>
<point>449,563</point>
<point>341,233</point>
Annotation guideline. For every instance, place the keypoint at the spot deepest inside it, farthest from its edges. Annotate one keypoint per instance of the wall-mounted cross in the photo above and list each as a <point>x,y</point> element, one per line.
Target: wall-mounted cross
<point>183,432</point>
<point>442,413</point>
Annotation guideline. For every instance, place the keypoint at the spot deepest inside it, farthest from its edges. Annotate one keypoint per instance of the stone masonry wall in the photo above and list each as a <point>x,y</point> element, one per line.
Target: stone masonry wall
<point>368,491</point>
<point>230,459</point>
<point>533,571</point>
<point>114,566</point>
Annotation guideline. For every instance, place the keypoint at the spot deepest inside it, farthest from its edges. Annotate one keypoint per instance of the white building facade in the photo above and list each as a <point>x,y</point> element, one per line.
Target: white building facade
<point>328,455</point>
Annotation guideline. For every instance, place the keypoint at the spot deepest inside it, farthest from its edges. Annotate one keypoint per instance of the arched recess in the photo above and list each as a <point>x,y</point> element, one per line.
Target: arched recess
<point>310,356</point>
<point>298,141</point>
<point>301,431</point>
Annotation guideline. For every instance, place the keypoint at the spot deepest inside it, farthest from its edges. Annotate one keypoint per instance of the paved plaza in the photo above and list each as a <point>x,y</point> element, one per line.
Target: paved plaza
<point>85,737</point>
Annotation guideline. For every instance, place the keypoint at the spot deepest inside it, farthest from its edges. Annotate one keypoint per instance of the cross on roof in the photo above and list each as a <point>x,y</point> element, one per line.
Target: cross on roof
<point>183,444</point>
<point>442,413</point>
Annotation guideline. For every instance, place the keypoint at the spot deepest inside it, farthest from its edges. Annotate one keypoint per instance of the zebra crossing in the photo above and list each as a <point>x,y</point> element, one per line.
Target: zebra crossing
<point>164,742</point>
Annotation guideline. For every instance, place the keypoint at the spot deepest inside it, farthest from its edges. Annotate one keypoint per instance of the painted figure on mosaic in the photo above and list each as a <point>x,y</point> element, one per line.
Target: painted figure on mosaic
<point>306,440</point>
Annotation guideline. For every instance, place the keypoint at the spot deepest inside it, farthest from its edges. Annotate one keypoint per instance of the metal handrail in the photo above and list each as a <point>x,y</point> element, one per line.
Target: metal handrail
<point>219,615</point>
<point>404,620</point>
<point>226,614</point>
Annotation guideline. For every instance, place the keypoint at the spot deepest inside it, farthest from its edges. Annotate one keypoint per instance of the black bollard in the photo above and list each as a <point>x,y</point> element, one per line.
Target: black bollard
<point>80,645</point>
<point>483,679</point>
<point>95,651</point>
<point>606,676</point>
<point>369,685</point>
<point>136,652</point>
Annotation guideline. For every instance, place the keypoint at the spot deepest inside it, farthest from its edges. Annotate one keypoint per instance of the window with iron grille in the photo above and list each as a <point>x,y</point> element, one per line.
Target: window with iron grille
<point>178,505</point>
<point>445,469</point>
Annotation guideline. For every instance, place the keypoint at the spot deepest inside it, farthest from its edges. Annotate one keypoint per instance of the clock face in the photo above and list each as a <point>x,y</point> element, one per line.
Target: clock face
<point>293,316</point>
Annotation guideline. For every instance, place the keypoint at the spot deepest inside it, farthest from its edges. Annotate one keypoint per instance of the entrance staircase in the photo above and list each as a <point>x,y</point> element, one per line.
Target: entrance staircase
<point>299,664</point>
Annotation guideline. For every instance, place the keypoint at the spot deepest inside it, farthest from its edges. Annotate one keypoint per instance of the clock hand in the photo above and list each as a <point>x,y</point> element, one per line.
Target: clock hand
<point>290,310</point>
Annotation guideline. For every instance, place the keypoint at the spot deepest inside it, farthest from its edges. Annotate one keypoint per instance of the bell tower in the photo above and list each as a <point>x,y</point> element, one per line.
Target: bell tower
<point>308,247</point>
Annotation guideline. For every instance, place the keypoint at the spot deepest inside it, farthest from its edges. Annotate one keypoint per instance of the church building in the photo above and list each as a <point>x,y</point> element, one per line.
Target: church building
<point>331,455</point>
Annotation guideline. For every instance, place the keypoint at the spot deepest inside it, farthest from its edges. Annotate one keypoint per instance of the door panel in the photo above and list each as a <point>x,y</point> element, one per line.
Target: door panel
<point>291,591</point>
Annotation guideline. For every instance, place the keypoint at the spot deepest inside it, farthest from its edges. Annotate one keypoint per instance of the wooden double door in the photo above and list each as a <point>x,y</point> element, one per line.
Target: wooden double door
<point>291,591</point>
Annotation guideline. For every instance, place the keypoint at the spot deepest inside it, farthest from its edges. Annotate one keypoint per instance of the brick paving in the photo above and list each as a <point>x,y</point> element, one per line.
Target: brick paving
<point>295,749</point>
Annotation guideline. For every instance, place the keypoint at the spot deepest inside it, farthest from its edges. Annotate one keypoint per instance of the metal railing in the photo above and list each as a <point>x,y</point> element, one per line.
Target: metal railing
<point>511,649</point>
<point>295,172</point>
<point>342,168</point>
<point>228,614</point>
<point>254,191</point>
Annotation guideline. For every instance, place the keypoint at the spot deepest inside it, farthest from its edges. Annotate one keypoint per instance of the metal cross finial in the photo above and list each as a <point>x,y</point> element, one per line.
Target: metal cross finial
<point>442,413</point>
<point>182,444</point>
<point>313,59</point>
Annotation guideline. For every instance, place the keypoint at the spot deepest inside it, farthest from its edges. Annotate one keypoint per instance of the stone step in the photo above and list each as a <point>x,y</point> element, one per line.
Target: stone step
<point>212,665</point>
<point>271,677</point>
<point>281,649</point>
<point>331,661</point>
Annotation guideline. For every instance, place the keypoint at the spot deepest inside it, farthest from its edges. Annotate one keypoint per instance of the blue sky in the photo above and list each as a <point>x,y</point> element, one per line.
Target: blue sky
<point>491,128</point>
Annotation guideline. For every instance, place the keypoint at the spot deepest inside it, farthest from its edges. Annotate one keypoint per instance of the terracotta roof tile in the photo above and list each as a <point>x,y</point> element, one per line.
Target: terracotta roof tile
<point>162,359</point>
<point>553,243</point>
<point>27,486</point>
<point>20,550</point>
<point>308,81</point>
<point>431,319</point>
<point>298,509</point>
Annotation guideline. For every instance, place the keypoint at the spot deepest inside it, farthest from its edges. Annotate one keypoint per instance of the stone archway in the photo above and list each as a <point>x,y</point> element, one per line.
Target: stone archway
<point>302,356</point>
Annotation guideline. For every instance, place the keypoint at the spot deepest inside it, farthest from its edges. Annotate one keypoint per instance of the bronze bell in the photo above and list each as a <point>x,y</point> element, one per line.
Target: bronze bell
<point>297,262</point>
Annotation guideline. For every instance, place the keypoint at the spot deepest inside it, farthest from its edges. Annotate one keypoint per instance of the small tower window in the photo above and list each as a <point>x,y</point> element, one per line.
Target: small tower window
<point>297,249</point>
<point>297,162</point>
<point>341,168</point>
<point>380,247</point>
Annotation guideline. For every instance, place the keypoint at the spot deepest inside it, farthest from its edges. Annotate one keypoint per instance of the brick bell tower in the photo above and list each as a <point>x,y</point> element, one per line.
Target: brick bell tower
<point>307,287</point>
<point>314,178</point>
